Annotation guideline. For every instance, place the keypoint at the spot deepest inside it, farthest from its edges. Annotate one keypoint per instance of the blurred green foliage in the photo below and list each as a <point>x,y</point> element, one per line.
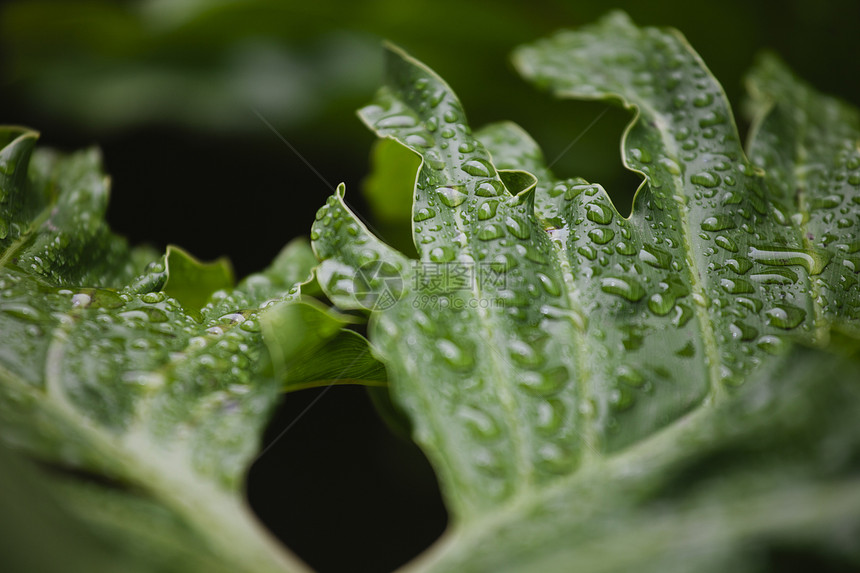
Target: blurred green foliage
<point>102,66</point>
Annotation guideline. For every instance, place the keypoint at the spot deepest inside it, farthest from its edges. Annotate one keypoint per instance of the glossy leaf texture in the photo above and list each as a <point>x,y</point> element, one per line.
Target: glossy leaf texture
<point>809,148</point>
<point>155,385</point>
<point>550,352</point>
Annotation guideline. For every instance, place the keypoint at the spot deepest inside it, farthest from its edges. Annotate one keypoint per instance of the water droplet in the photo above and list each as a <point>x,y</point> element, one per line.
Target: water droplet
<point>454,355</point>
<point>489,188</point>
<point>640,155</point>
<point>417,140</point>
<point>466,147</point>
<point>549,284</point>
<point>826,202</point>
<point>530,252</point>
<point>785,316</point>
<point>442,254</point>
<point>587,252</point>
<point>625,248</point>
<point>740,265</point>
<point>81,300</point>
<point>629,376</point>
<point>683,314</point>
<point>554,459</point>
<point>814,262</point>
<point>480,425</point>
<point>719,222</point>
<point>434,160</point>
<point>742,331</point>
<point>152,297</point>
<point>621,399</point>
<point>601,235</point>
<point>544,383</point>
<point>22,311</point>
<point>451,196</point>
<point>599,213</point>
<point>705,179</point>
<point>655,256</point>
<point>523,354</point>
<point>661,303</point>
<point>852,264</point>
<point>624,287</point>
<point>518,228</point>
<point>424,213</point>
<point>726,243</point>
<point>478,168</point>
<point>751,304</point>
<point>503,262</point>
<point>231,318</point>
<point>770,344</point>
<point>487,210</point>
<point>215,331</point>
<point>736,286</point>
<point>490,231</point>
<point>703,99</point>
<point>395,121</point>
<point>670,165</point>
<point>775,275</point>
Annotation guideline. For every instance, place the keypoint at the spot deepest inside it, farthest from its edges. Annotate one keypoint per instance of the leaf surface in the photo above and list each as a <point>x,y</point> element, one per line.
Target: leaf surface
<point>158,384</point>
<point>547,348</point>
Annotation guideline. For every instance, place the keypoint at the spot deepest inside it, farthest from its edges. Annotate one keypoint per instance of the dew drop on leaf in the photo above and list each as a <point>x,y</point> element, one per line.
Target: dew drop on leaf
<point>705,179</point>
<point>785,316</point>
<point>624,287</point>
<point>599,213</point>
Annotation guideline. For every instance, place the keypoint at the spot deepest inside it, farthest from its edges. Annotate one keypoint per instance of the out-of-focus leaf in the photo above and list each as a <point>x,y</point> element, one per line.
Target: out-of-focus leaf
<point>190,281</point>
<point>392,169</point>
<point>316,350</point>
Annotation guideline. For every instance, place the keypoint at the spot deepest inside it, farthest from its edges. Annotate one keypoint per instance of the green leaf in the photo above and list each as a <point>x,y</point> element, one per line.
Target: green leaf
<point>104,374</point>
<point>560,361</point>
<point>809,148</point>
<point>190,281</point>
<point>316,350</point>
<point>392,169</point>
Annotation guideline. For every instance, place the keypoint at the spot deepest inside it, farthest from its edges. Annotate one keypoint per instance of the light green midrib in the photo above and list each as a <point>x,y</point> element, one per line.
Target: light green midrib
<point>524,468</point>
<point>702,317</point>
<point>589,435</point>
<point>709,341</point>
<point>819,321</point>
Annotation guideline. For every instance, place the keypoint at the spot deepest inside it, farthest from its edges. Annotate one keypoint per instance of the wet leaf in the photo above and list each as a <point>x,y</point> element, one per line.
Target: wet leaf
<point>150,375</point>
<point>551,353</point>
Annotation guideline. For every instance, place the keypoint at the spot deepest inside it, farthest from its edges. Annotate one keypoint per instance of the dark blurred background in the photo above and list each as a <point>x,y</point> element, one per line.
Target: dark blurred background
<point>173,92</point>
